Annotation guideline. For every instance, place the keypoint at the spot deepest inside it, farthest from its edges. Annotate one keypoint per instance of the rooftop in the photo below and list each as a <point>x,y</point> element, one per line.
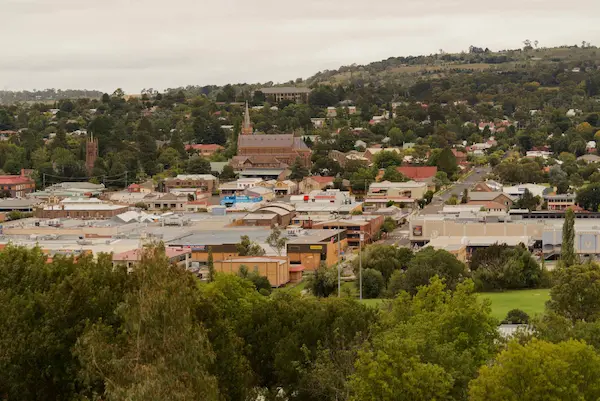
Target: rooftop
<point>136,254</point>
<point>314,236</point>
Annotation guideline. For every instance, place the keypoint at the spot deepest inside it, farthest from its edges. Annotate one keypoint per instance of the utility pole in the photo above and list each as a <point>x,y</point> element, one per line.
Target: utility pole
<point>360,240</point>
<point>44,181</point>
<point>126,178</point>
<point>339,269</point>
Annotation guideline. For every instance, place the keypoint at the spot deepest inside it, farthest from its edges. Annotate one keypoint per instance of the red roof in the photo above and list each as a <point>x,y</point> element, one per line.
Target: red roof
<point>14,179</point>
<point>134,186</point>
<point>458,153</point>
<point>418,172</point>
<point>212,146</point>
<point>322,180</point>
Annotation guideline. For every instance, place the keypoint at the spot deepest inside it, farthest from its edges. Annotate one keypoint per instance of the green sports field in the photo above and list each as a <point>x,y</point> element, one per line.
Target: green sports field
<point>531,301</point>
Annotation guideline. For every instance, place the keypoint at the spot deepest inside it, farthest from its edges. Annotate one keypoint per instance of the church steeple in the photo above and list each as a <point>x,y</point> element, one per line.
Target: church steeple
<point>247,125</point>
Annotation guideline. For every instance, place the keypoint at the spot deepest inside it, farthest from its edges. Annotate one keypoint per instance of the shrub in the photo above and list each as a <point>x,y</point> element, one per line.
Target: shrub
<point>372,283</point>
<point>516,316</point>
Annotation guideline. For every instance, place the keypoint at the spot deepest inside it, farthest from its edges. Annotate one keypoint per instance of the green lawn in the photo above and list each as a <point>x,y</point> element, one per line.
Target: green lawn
<point>531,301</point>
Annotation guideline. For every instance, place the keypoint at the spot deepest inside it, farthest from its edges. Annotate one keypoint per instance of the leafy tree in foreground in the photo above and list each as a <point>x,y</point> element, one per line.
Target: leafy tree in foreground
<point>430,346</point>
<point>576,293</point>
<point>567,255</point>
<point>161,350</point>
<point>428,263</point>
<point>248,248</point>
<point>540,371</point>
<point>323,282</point>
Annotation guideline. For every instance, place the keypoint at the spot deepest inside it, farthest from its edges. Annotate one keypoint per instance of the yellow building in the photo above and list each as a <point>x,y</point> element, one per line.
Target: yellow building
<point>275,269</point>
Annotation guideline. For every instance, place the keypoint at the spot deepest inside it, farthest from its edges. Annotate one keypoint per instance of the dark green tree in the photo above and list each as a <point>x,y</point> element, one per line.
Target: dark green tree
<point>567,254</point>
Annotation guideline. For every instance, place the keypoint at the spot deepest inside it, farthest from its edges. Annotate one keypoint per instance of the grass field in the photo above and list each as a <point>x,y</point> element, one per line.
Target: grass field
<point>530,301</point>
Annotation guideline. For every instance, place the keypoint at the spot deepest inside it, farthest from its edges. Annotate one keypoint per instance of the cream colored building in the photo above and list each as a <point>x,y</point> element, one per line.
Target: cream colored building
<point>423,229</point>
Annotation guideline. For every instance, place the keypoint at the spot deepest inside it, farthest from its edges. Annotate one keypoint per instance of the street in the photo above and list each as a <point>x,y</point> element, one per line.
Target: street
<point>399,236</point>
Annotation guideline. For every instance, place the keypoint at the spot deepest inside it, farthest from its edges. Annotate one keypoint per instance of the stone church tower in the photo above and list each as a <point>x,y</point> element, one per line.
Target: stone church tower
<point>91,153</point>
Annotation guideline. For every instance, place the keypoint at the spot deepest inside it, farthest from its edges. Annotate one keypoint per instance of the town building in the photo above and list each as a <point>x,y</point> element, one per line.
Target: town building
<point>487,186</point>
<point>311,248</point>
<point>18,186</point>
<point>316,183</point>
<point>169,201</point>
<point>80,208</point>
<point>239,186</point>
<point>482,198</point>
<point>517,191</point>
<point>367,225</point>
<point>176,255</point>
<point>560,202</point>
<point>275,151</point>
<point>275,269</point>
<point>204,182</point>
<point>278,94</point>
<point>398,193</point>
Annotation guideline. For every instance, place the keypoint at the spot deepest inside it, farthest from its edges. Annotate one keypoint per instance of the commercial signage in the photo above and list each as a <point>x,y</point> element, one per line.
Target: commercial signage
<point>198,248</point>
<point>316,247</point>
<point>418,231</point>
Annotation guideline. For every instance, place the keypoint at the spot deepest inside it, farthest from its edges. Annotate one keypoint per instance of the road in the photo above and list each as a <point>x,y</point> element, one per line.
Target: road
<point>457,188</point>
<point>399,236</point>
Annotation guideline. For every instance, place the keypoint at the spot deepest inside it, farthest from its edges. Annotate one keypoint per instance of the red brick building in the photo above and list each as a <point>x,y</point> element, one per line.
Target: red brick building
<point>17,185</point>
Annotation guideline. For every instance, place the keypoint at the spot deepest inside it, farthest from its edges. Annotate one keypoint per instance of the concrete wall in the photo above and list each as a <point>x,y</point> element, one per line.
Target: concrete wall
<point>452,228</point>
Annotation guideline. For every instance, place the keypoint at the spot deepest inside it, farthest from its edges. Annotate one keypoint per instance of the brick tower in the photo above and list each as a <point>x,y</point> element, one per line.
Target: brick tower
<point>91,153</point>
<point>247,125</point>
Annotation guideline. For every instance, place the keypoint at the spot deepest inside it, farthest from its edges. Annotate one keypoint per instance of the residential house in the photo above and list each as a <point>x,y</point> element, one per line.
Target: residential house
<point>204,150</point>
<point>315,183</point>
<point>589,158</point>
<point>331,112</point>
<point>259,191</point>
<point>371,152</point>
<point>487,186</point>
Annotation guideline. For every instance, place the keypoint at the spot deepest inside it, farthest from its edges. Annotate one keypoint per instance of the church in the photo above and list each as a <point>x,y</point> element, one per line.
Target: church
<point>268,151</point>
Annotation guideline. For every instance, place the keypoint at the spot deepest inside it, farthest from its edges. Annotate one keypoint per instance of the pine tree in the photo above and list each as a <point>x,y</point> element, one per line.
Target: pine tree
<point>568,255</point>
<point>447,161</point>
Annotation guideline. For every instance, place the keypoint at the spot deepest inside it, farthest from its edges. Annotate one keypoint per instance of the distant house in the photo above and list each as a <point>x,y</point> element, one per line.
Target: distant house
<point>487,186</point>
<point>17,185</point>
<point>278,94</point>
<point>371,152</point>
<point>206,182</point>
<point>518,190</point>
<point>205,150</point>
<point>315,183</point>
<point>331,112</point>
<point>418,173</point>
<point>589,158</point>
<point>483,199</point>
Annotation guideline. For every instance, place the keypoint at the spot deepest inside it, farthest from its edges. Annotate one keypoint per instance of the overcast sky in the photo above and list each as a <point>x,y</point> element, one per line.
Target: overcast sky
<point>135,44</point>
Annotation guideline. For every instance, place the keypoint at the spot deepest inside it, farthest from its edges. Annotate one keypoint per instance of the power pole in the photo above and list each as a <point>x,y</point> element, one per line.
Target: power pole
<point>44,181</point>
<point>126,179</point>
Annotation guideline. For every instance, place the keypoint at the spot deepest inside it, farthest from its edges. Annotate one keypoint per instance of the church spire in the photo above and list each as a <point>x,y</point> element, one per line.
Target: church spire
<point>247,125</point>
